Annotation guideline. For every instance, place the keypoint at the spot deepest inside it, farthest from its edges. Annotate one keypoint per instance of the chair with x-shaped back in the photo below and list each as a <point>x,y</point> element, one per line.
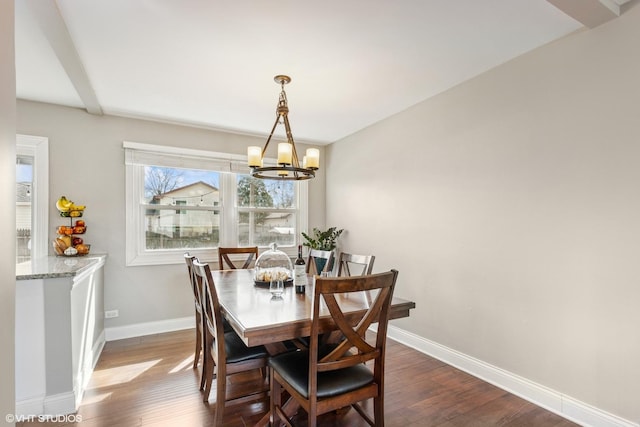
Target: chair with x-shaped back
<point>230,258</point>
<point>197,302</point>
<point>226,351</point>
<point>326,379</point>
<point>317,254</point>
<point>355,265</point>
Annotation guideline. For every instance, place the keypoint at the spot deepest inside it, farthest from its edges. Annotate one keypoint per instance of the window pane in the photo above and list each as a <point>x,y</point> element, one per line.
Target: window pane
<point>265,193</point>
<point>262,228</point>
<point>263,221</point>
<point>173,186</point>
<point>24,180</point>
<point>183,228</point>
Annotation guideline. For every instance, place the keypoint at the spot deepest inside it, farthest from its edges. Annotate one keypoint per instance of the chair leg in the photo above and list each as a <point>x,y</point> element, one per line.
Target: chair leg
<point>275,400</point>
<point>221,396</point>
<point>203,375</point>
<point>207,377</point>
<point>313,416</point>
<point>196,357</point>
<point>378,411</point>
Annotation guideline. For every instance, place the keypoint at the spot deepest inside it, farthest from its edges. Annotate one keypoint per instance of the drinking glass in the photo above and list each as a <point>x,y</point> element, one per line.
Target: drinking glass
<point>324,274</point>
<point>276,287</point>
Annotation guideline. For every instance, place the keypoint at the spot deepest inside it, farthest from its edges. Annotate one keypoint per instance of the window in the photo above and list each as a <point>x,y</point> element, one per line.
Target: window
<point>24,183</point>
<point>32,197</point>
<point>182,200</point>
<point>178,203</point>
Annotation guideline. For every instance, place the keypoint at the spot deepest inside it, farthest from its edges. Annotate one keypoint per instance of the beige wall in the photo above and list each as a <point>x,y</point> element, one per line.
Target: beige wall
<point>87,165</point>
<point>7,212</point>
<point>511,207</point>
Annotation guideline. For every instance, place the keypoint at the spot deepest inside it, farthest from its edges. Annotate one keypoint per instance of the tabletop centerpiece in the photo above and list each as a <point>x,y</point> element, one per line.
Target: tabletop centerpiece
<point>273,264</point>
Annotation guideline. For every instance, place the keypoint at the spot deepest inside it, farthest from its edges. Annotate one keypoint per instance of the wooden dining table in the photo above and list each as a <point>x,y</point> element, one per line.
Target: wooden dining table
<point>261,320</point>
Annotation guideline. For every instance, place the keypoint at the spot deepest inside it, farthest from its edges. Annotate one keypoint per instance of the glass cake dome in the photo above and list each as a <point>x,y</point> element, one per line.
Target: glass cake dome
<point>273,265</point>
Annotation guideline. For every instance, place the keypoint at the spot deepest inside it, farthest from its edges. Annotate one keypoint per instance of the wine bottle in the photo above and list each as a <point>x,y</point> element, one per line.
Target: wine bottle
<point>300,274</point>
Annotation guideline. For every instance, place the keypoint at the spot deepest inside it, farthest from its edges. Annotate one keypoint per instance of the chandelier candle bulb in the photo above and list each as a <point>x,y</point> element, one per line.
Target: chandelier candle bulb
<point>284,153</point>
<point>254,156</point>
<point>313,158</point>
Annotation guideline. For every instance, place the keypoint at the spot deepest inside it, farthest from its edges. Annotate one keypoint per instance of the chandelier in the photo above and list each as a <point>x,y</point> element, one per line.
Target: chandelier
<point>288,165</point>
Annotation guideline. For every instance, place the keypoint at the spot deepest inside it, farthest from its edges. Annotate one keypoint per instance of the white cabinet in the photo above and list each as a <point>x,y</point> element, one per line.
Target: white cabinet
<point>59,332</point>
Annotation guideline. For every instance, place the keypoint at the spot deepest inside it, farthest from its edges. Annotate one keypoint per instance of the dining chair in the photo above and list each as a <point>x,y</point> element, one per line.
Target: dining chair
<point>228,257</point>
<point>363,264</point>
<point>197,302</point>
<point>323,380</point>
<point>316,254</point>
<point>352,265</point>
<point>225,351</point>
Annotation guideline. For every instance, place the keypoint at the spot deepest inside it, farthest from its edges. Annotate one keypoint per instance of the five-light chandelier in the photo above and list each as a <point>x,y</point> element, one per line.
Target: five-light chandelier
<point>288,165</point>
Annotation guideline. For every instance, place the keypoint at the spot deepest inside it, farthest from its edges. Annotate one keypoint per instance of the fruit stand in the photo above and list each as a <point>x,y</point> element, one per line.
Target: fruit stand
<point>69,242</point>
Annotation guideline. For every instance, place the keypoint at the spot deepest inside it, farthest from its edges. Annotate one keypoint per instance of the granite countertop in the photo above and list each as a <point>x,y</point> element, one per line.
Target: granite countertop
<point>51,267</point>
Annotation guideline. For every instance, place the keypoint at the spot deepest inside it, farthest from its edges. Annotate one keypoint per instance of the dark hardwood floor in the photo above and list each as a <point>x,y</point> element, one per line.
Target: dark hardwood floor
<point>149,381</point>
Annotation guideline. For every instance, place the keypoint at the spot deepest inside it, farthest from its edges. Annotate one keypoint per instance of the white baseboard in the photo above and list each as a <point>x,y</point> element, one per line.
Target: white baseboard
<point>149,328</point>
<point>565,406</point>
<point>60,404</point>
<point>31,406</point>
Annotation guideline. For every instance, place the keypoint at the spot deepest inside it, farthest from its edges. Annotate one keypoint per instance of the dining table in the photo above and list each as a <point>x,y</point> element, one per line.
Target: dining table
<point>260,319</point>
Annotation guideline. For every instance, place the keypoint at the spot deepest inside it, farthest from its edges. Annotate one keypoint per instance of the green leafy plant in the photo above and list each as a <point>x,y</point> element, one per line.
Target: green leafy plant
<point>322,240</point>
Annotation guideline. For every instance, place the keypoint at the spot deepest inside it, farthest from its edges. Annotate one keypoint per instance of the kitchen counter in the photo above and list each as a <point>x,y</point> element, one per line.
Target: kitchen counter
<point>59,331</point>
<point>52,267</point>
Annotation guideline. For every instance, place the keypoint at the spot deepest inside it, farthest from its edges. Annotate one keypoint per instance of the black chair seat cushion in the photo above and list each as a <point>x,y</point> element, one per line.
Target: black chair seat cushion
<point>237,351</point>
<point>294,368</point>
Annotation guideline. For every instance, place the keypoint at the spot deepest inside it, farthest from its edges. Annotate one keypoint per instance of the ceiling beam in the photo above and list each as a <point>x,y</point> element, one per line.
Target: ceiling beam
<point>590,13</point>
<point>48,16</point>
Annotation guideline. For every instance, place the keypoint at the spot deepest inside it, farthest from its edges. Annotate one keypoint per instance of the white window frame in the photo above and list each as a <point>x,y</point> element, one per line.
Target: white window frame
<point>138,155</point>
<point>38,148</point>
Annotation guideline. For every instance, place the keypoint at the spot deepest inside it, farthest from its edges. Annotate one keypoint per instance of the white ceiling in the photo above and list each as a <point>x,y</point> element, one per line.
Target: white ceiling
<point>211,63</point>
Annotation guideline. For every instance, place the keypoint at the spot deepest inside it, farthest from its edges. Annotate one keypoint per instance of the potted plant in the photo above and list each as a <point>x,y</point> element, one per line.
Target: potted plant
<point>322,240</point>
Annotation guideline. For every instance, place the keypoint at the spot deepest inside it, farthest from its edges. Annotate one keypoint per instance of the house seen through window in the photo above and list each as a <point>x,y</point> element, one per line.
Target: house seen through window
<point>197,223</point>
